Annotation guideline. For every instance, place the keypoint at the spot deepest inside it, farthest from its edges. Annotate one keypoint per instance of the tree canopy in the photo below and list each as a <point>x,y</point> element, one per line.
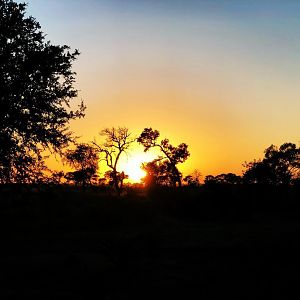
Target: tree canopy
<point>171,155</point>
<point>228,178</point>
<point>117,141</point>
<point>85,160</point>
<point>158,173</point>
<point>36,84</point>
<point>279,166</point>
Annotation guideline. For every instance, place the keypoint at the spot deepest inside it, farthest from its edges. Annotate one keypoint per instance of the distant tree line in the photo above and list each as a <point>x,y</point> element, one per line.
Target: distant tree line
<point>280,166</point>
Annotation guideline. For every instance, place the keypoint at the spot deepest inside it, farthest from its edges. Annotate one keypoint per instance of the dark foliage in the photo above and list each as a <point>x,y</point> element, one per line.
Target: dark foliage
<point>228,178</point>
<point>112,177</point>
<point>171,155</point>
<point>85,160</point>
<point>158,173</point>
<point>56,177</point>
<point>193,180</point>
<point>36,89</point>
<point>279,166</point>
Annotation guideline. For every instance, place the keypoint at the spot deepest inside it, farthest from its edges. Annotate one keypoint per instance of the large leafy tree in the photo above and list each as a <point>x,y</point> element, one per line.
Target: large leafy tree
<point>171,155</point>
<point>280,165</point>
<point>158,173</point>
<point>36,89</point>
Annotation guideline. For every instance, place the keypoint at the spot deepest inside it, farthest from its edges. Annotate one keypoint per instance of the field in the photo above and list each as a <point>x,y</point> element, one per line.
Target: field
<point>202,243</point>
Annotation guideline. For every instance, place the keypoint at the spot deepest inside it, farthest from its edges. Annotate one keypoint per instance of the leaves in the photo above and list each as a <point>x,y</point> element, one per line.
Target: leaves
<point>279,166</point>
<point>36,84</point>
<point>85,160</point>
<point>172,155</point>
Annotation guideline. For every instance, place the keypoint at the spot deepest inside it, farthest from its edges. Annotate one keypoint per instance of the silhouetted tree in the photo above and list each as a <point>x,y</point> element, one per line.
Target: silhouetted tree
<point>172,155</point>
<point>193,179</point>
<point>228,178</point>
<point>36,84</point>
<point>85,160</point>
<point>82,177</point>
<point>279,166</point>
<point>152,173</point>
<point>28,169</point>
<point>110,177</point>
<point>117,141</point>
<point>231,178</point>
<point>56,177</point>
<point>158,173</point>
<point>258,171</point>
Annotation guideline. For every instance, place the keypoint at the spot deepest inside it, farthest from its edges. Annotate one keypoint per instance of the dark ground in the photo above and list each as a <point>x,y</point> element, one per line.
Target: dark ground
<point>61,243</point>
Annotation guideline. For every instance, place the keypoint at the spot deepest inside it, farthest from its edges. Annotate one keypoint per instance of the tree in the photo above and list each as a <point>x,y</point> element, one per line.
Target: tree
<point>158,173</point>
<point>111,177</point>
<point>85,160</point>
<point>117,141</point>
<point>228,178</point>
<point>36,84</point>
<point>193,179</point>
<point>56,177</point>
<point>171,155</point>
<point>258,171</point>
<point>279,166</point>
<point>28,169</point>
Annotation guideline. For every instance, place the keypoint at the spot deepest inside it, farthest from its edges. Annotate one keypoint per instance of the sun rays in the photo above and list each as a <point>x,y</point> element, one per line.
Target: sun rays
<point>131,165</point>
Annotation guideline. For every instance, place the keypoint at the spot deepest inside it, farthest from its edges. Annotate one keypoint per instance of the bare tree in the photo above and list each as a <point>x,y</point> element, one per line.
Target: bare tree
<point>117,141</point>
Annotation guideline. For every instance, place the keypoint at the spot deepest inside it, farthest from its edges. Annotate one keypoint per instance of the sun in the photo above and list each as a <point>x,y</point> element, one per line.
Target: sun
<point>133,163</point>
<point>133,169</point>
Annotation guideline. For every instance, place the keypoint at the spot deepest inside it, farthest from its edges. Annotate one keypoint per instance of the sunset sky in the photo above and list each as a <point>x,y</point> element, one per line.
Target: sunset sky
<point>221,75</point>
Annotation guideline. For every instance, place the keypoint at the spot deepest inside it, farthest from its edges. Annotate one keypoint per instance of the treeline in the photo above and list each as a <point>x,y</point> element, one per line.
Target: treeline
<point>280,165</point>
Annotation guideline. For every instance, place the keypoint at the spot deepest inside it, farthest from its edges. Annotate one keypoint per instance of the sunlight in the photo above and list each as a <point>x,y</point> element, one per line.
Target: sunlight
<point>132,165</point>
<point>133,169</point>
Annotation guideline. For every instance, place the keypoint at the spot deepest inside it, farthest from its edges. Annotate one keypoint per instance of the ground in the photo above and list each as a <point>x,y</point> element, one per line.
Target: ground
<point>95,245</point>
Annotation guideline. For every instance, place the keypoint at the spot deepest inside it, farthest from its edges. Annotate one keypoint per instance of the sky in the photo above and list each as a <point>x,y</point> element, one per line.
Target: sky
<point>222,76</point>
